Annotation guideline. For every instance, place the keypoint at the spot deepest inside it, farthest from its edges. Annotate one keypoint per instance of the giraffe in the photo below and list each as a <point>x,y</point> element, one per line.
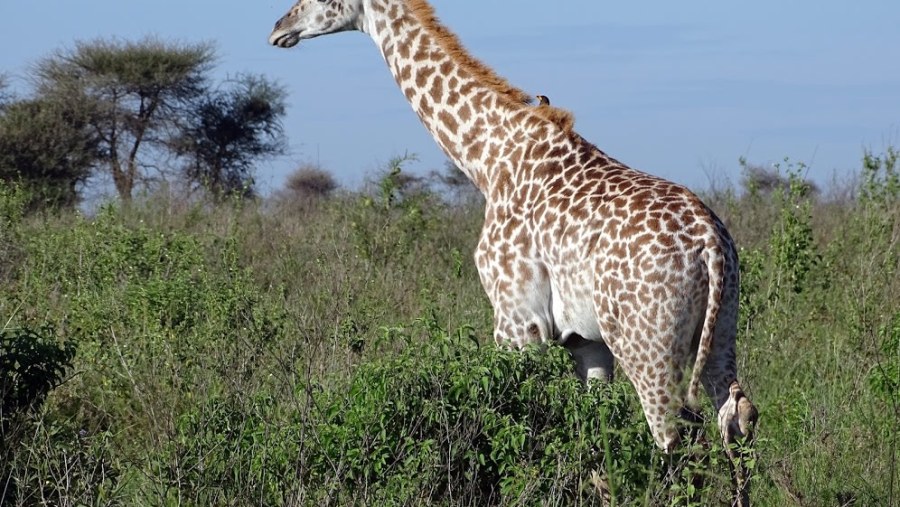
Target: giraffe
<point>578,249</point>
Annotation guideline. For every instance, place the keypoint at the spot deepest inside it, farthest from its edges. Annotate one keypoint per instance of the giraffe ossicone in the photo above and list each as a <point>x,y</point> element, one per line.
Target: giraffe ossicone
<point>576,248</point>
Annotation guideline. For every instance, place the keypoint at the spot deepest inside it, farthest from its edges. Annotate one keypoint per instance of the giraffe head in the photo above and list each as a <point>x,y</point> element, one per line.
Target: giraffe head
<point>312,18</point>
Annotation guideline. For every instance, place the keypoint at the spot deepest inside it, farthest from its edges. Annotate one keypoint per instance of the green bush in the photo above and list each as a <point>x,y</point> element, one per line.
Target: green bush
<point>32,363</point>
<point>392,222</point>
<point>885,377</point>
<point>447,418</point>
<point>59,464</point>
<point>228,451</point>
<point>792,244</point>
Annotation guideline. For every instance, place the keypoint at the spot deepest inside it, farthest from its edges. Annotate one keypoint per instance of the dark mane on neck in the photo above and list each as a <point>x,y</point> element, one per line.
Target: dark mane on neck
<point>515,97</point>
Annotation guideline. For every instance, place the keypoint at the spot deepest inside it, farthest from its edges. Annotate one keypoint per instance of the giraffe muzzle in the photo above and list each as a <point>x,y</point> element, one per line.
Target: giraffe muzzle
<point>284,39</point>
<point>282,35</point>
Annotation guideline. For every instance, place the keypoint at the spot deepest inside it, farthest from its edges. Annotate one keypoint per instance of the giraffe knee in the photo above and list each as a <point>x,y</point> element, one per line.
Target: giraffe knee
<point>519,333</point>
<point>593,360</point>
<point>665,432</point>
<point>601,373</point>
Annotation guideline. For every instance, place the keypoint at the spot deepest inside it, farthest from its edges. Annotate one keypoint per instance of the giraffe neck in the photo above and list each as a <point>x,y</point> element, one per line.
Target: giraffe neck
<point>479,120</point>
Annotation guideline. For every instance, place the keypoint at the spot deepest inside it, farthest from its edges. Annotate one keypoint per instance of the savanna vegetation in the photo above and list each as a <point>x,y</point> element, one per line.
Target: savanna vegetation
<point>329,346</point>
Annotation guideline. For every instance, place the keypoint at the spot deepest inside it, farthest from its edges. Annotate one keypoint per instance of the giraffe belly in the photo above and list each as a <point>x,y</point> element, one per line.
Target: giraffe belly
<point>573,313</point>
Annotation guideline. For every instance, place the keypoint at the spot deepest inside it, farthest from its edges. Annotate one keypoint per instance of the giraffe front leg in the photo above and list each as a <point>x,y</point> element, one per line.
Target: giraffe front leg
<point>517,284</point>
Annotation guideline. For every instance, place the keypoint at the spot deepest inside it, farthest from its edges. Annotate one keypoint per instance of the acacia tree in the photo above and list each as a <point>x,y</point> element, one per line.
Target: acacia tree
<point>48,147</point>
<point>135,91</point>
<point>227,131</point>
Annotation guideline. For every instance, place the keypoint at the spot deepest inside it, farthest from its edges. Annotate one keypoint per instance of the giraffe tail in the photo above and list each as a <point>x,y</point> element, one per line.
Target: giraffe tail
<point>715,270</point>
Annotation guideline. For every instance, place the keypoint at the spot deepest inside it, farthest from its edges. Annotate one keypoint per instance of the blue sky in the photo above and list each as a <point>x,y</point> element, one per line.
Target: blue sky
<point>677,89</point>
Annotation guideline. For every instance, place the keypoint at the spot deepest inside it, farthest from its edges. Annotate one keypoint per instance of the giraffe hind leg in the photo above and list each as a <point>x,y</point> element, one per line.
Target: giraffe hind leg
<point>737,422</point>
<point>736,414</point>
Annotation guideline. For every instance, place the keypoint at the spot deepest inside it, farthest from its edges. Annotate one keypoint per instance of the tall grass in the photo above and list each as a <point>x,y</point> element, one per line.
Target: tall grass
<point>337,352</point>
